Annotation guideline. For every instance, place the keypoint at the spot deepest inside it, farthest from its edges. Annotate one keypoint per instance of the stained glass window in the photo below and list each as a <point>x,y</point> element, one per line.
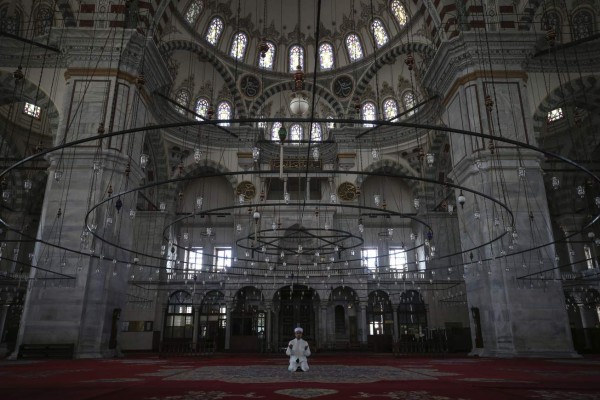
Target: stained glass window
<point>555,115</point>
<point>552,20</point>
<point>326,56</point>
<point>316,134</point>
<point>583,24</point>
<point>354,47</point>
<point>380,35</point>
<point>214,31</point>
<point>296,58</point>
<point>182,98</point>
<point>194,11</point>
<point>201,108</point>
<point>238,46</point>
<point>43,21</point>
<point>368,113</point>
<point>275,131</point>
<point>224,112</point>
<point>266,62</point>
<point>409,101</point>
<point>9,23</point>
<point>32,110</point>
<point>399,12</point>
<point>390,109</point>
<point>296,133</point>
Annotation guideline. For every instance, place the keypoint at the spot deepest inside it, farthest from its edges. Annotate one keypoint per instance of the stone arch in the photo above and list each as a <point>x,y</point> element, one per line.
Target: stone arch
<point>388,57</point>
<point>587,86</point>
<point>289,85</point>
<point>396,169</point>
<point>192,170</point>
<point>169,47</point>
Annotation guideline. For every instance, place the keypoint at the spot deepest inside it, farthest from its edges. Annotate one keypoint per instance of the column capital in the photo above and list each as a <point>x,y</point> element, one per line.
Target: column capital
<point>468,57</point>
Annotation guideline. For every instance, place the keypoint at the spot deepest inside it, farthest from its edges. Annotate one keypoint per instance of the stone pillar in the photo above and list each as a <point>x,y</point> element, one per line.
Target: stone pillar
<point>323,324</point>
<point>229,306</point>
<point>3,314</point>
<point>515,320</point>
<point>196,327</point>
<point>3,345</point>
<point>101,94</point>
<point>363,323</point>
<point>268,328</point>
<point>396,325</point>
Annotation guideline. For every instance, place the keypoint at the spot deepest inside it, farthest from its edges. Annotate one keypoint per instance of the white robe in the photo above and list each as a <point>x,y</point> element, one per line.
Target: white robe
<point>298,354</point>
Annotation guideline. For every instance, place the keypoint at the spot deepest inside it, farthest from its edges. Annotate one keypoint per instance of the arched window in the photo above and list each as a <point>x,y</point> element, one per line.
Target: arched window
<point>182,98</point>
<point>399,12</point>
<point>193,11</point>
<point>224,112</point>
<point>412,315</point>
<point>267,61</point>
<point>212,317</point>
<point>390,109</point>
<point>179,324</point>
<point>326,56</point>
<point>379,311</point>
<point>9,23</point>
<point>355,51</point>
<point>43,20</point>
<point>296,133</point>
<point>583,24</point>
<point>409,101</point>
<point>316,134</point>
<point>296,58</point>
<point>368,113</point>
<point>275,131</point>
<point>380,35</point>
<point>214,31</point>
<point>201,108</point>
<point>238,46</point>
<point>552,20</point>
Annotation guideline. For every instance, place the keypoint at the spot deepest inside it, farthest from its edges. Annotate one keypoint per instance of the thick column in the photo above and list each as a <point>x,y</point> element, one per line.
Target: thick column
<point>518,316</point>
<point>74,297</point>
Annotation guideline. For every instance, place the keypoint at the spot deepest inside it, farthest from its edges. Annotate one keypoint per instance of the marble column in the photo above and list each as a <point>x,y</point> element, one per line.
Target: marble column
<point>105,98</point>
<point>518,317</point>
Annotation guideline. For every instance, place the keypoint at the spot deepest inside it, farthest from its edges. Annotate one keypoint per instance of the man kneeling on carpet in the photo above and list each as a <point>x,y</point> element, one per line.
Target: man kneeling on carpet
<point>298,350</point>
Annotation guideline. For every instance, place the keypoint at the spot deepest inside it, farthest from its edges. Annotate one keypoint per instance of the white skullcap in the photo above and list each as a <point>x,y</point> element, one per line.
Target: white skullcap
<point>298,329</point>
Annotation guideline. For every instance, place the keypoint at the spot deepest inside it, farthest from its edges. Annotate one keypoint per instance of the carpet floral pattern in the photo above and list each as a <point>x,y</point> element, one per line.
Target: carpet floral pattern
<point>202,395</point>
<point>306,393</point>
<point>331,377</point>
<point>320,373</point>
<point>405,395</point>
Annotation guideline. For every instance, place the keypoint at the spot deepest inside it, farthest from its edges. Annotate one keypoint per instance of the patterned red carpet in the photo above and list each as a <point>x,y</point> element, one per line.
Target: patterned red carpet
<point>331,377</point>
